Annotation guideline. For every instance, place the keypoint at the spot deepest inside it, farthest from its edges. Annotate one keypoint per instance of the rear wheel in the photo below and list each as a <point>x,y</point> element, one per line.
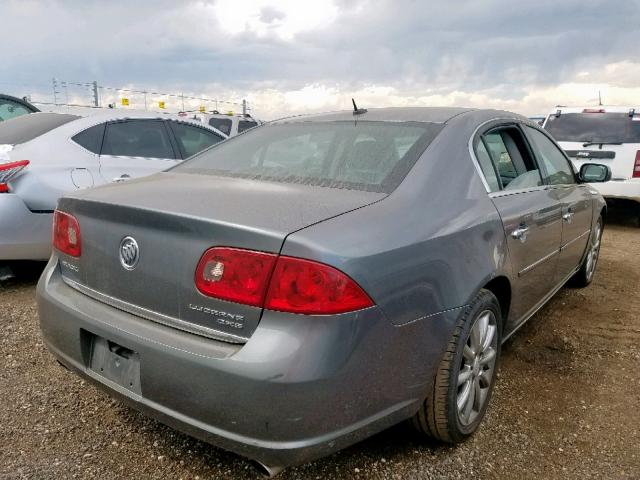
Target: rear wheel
<point>584,276</point>
<point>454,408</point>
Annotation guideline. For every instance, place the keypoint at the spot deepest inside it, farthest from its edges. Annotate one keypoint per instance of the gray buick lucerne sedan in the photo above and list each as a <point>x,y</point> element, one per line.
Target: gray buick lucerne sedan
<point>315,280</point>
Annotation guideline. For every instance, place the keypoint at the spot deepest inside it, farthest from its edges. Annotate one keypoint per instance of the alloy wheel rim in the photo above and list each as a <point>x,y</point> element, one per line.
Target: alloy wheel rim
<point>594,251</point>
<point>477,369</point>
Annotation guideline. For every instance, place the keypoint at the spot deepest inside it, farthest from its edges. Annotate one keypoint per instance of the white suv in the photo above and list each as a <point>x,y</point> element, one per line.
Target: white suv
<point>607,135</point>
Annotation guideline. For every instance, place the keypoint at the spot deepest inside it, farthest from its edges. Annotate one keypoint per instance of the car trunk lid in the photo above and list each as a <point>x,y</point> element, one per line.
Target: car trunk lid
<point>174,218</point>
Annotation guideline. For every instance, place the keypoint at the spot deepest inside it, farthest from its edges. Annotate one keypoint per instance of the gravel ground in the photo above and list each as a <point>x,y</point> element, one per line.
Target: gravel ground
<point>566,405</point>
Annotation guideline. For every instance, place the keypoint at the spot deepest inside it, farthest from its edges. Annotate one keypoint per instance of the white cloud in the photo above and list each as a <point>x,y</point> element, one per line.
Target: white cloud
<point>290,56</point>
<point>282,19</point>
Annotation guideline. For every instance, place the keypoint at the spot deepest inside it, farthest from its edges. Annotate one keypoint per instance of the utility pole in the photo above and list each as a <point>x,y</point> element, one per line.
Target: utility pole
<point>66,92</point>
<point>96,100</point>
<point>244,107</point>
<point>55,90</point>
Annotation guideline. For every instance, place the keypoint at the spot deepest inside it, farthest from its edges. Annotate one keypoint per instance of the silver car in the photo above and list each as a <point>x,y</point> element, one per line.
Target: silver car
<point>318,279</point>
<point>44,155</point>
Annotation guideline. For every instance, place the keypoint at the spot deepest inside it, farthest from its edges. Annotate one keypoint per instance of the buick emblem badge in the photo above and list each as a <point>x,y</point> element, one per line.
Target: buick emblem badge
<point>129,253</point>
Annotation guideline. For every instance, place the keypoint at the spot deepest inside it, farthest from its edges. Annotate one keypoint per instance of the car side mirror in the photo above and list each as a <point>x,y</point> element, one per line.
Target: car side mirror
<point>594,173</point>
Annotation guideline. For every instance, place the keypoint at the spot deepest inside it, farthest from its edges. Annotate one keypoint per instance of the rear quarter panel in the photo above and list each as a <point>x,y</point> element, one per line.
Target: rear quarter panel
<point>426,248</point>
<point>48,176</point>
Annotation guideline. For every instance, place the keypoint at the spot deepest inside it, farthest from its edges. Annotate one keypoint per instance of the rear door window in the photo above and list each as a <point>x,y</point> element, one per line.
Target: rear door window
<point>91,138</point>
<point>487,167</point>
<point>137,138</point>
<point>512,161</point>
<point>192,139</point>
<point>222,124</point>
<point>556,166</point>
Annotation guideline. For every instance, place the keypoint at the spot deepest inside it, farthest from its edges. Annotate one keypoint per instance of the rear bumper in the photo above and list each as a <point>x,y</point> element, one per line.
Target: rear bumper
<point>300,388</point>
<point>623,189</point>
<point>24,235</point>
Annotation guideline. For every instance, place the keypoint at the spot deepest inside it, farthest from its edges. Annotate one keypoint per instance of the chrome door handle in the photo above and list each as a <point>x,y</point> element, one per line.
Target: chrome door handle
<point>520,233</point>
<point>568,217</point>
<point>122,178</point>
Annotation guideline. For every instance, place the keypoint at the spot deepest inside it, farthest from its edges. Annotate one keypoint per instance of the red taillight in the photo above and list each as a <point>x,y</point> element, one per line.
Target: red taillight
<point>8,171</point>
<point>236,275</point>
<point>66,234</point>
<point>636,166</point>
<point>303,286</point>
<point>286,284</point>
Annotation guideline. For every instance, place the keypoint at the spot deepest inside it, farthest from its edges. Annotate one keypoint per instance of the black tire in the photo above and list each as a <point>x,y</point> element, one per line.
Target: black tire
<point>584,276</point>
<point>439,416</point>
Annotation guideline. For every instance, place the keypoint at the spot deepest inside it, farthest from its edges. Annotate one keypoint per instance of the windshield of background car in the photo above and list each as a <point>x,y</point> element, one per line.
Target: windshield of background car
<point>360,155</point>
<point>27,127</point>
<point>595,127</point>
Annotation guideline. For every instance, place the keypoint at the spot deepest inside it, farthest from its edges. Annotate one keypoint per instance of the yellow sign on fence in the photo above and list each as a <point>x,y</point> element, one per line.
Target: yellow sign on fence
<point>125,102</point>
<point>202,109</point>
<point>161,104</point>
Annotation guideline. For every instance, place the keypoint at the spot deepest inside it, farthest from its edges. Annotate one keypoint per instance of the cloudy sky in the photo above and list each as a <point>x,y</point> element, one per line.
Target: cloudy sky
<point>291,56</point>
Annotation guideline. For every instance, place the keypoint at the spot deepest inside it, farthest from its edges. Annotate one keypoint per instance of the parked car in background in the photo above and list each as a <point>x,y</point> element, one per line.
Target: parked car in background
<point>44,155</point>
<point>318,279</point>
<point>604,134</point>
<point>11,107</point>
<point>229,124</point>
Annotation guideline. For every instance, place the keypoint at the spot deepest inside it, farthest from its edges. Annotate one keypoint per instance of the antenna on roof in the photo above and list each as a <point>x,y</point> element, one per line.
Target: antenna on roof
<point>356,110</point>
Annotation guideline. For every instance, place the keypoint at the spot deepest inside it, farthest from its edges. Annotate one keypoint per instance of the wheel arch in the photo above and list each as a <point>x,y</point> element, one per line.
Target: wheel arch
<point>500,286</point>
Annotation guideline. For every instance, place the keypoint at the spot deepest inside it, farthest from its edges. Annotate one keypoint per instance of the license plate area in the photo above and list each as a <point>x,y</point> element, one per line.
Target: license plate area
<point>116,363</point>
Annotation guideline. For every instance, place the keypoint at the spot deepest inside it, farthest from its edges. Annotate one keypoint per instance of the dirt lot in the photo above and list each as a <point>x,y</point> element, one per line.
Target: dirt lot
<point>567,403</point>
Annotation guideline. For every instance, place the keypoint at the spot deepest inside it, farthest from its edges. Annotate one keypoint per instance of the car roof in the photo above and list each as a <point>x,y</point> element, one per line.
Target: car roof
<point>391,114</point>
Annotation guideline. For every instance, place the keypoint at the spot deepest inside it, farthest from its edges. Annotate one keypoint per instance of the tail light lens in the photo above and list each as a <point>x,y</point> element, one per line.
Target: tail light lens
<point>8,171</point>
<point>286,284</point>
<point>303,286</point>
<point>236,275</point>
<point>636,166</point>
<point>66,234</point>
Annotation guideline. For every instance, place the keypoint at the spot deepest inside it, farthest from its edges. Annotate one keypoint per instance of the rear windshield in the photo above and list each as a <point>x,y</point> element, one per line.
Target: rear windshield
<point>595,127</point>
<point>27,127</point>
<point>371,156</point>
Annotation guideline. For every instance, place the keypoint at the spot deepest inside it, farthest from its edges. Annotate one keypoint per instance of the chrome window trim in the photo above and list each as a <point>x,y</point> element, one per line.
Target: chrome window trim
<point>506,193</point>
<point>155,316</point>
